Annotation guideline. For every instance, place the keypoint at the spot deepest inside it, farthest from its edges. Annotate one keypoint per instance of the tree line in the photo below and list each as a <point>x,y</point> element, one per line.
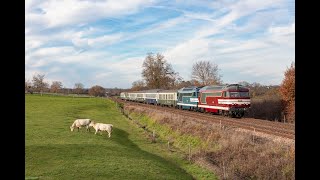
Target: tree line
<point>39,85</point>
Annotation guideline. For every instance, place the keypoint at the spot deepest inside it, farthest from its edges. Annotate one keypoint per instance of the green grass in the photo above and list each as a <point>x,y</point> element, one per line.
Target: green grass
<point>181,141</point>
<point>54,152</point>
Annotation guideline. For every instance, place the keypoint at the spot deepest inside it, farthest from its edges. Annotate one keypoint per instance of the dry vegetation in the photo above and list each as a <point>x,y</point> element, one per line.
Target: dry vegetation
<point>265,108</point>
<point>230,154</point>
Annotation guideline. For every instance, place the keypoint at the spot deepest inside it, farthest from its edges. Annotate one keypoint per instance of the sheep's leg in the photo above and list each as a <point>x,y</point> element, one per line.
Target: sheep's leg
<point>78,129</point>
<point>96,132</point>
<point>109,134</point>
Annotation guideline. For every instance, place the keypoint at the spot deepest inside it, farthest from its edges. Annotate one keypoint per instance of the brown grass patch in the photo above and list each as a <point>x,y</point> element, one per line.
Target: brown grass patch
<point>229,153</point>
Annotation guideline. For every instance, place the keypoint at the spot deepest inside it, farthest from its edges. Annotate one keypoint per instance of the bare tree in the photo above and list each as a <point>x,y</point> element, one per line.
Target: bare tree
<point>78,88</point>
<point>38,83</point>
<point>97,91</point>
<point>28,86</point>
<point>206,72</point>
<point>158,73</point>
<point>183,84</point>
<point>244,83</point>
<point>55,86</point>
<point>138,85</point>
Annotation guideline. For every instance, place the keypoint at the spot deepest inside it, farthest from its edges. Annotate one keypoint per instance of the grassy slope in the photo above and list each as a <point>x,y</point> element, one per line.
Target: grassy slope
<point>53,152</point>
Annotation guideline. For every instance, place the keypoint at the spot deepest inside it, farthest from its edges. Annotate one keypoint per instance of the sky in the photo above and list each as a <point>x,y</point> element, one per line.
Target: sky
<point>104,42</point>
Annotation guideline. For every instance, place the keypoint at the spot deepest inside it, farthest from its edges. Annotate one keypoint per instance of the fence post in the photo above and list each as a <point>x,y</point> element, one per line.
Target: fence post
<point>189,152</point>
<point>153,136</point>
<point>254,133</point>
<point>224,170</point>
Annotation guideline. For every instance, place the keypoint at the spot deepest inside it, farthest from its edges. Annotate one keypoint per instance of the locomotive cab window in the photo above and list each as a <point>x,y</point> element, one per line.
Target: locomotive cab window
<point>236,94</point>
<point>244,94</point>
<point>187,94</point>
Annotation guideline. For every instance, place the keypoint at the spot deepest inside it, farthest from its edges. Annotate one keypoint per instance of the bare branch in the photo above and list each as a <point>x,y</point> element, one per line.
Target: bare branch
<point>206,73</point>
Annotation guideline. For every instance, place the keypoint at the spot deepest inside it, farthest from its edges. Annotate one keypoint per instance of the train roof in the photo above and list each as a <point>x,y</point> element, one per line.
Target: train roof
<point>212,88</point>
<point>146,91</point>
<point>151,91</point>
<point>168,91</point>
<point>189,89</point>
<point>224,87</point>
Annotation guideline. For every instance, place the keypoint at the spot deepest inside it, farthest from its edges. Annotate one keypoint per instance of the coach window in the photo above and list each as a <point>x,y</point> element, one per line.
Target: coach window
<point>203,98</point>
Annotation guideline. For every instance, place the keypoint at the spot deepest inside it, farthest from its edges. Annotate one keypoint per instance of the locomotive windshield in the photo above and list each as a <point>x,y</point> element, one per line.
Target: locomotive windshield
<point>236,94</point>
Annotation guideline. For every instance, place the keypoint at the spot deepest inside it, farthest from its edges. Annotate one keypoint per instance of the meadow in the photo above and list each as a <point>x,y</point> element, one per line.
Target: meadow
<point>52,151</point>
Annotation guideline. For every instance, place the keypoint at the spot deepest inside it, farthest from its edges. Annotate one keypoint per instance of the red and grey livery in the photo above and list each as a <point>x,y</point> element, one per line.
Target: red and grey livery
<point>230,100</point>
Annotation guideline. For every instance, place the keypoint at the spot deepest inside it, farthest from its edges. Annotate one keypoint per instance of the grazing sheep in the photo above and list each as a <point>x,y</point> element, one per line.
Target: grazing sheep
<point>78,123</point>
<point>101,127</point>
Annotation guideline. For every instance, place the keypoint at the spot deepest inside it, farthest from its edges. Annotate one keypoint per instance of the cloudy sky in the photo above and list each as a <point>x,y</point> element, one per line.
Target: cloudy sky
<point>104,42</point>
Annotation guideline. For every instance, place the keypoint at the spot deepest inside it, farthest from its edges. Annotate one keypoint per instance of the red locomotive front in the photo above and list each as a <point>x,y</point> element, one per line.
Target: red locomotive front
<point>229,100</point>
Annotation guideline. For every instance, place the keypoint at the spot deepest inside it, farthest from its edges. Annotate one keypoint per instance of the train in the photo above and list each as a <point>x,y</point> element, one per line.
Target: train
<point>231,100</point>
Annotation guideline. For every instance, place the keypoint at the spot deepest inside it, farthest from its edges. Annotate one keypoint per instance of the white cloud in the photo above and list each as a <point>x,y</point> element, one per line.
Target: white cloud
<point>188,51</point>
<point>103,75</point>
<point>243,46</point>
<point>62,42</point>
<point>235,11</point>
<point>97,42</point>
<point>104,40</point>
<point>283,30</point>
<point>261,57</point>
<point>72,12</point>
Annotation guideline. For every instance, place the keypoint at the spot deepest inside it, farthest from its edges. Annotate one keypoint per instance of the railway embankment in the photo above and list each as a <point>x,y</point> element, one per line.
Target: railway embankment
<point>231,153</point>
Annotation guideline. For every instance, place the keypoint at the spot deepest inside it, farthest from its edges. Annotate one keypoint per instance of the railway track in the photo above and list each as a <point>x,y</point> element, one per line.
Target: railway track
<point>263,126</point>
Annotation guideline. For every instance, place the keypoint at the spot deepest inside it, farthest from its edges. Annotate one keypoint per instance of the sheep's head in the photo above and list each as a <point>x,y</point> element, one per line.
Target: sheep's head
<point>91,124</point>
<point>71,128</point>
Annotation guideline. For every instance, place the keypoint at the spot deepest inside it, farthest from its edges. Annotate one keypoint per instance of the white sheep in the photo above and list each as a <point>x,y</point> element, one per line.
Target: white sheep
<point>78,123</point>
<point>101,127</point>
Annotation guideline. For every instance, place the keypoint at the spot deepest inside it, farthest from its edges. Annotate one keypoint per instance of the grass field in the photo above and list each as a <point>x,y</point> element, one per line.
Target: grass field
<point>54,152</point>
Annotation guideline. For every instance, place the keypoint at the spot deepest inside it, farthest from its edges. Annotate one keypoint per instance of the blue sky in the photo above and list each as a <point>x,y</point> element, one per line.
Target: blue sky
<point>98,42</point>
